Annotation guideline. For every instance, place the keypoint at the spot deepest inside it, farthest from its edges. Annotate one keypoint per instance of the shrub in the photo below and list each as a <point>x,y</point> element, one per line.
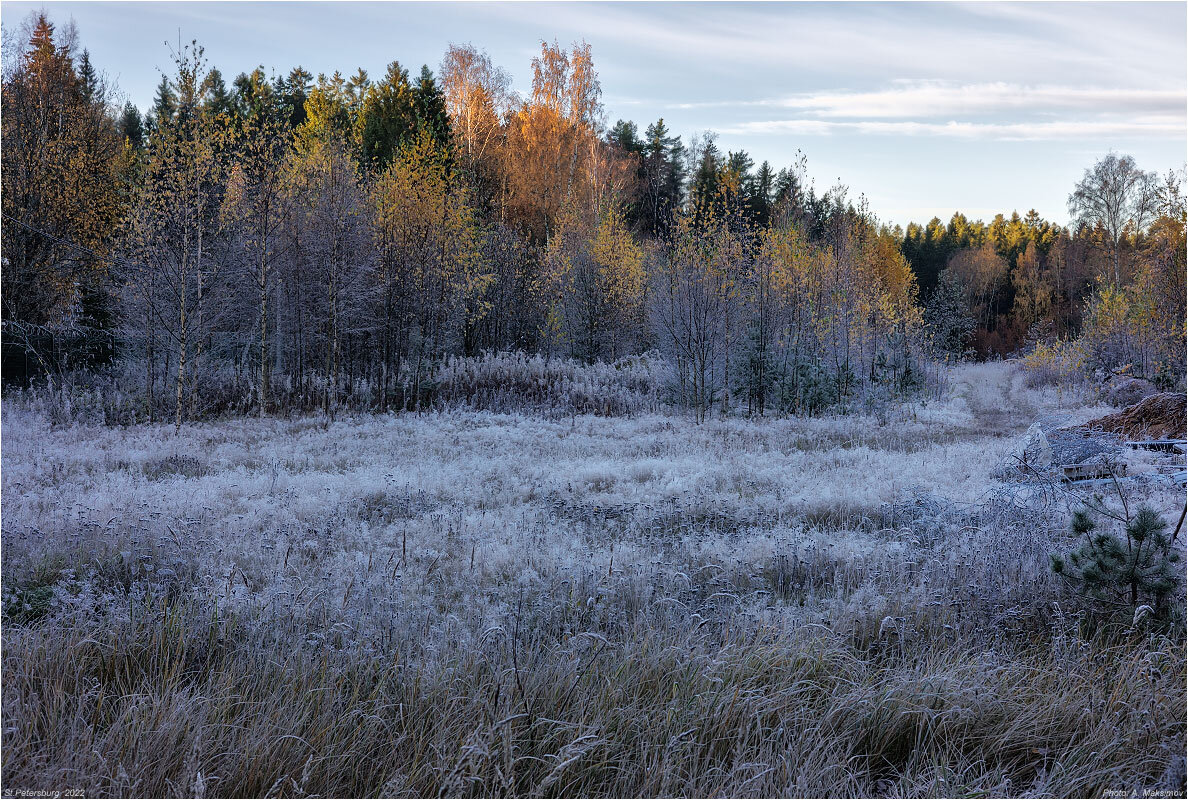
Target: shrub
<point>176,464</point>
<point>31,598</point>
<point>1060,364</point>
<point>517,381</point>
<point>810,388</point>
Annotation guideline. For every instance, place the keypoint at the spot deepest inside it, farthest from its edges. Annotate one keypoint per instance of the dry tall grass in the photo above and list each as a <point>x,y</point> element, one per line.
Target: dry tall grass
<point>475,604</point>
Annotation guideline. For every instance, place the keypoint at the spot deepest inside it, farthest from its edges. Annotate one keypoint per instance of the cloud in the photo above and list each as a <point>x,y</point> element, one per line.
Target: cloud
<point>1163,127</point>
<point>1136,44</point>
<point>943,98</point>
<point>938,98</point>
<point>989,110</point>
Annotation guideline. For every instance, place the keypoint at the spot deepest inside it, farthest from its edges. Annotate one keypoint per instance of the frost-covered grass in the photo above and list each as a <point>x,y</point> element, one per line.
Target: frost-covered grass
<point>469,603</point>
<point>518,381</point>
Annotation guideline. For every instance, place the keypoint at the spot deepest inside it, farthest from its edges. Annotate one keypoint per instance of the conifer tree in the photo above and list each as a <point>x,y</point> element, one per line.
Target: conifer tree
<point>254,96</point>
<point>88,79</point>
<point>760,200</point>
<point>218,99</point>
<point>356,88</point>
<point>430,107</point>
<point>703,190</point>
<point>294,91</point>
<point>63,195</point>
<point>387,119</point>
<point>131,126</point>
<point>664,176</point>
<point>1143,570</point>
<point>164,103</point>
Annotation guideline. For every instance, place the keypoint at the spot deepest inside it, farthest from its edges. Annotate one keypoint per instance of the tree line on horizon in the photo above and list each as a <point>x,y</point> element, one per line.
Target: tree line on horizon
<point>302,242</point>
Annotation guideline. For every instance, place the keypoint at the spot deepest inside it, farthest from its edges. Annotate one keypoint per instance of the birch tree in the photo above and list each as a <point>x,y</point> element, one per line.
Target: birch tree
<point>254,207</point>
<point>174,259</point>
<point>1118,196</point>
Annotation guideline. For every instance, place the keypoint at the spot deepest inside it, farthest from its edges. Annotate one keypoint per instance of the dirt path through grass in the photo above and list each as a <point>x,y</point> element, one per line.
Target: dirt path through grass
<point>992,394</point>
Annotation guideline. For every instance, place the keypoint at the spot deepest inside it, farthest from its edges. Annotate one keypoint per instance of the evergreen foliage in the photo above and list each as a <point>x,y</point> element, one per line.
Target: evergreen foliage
<point>1138,574</point>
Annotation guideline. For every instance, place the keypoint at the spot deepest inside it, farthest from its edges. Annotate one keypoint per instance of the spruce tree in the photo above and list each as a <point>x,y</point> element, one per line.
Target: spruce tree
<point>429,102</point>
<point>164,104</point>
<point>218,99</point>
<point>948,318</point>
<point>131,126</point>
<point>88,79</point>
<point>762,189</point>
<point>62,196</point>
<point>387,119</point>
<point>704,189</point>
<point>254,95</point>
<point>664,172</point>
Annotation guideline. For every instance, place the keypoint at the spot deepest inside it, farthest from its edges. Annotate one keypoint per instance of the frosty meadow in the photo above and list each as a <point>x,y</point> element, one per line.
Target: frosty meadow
<point>469,603</point>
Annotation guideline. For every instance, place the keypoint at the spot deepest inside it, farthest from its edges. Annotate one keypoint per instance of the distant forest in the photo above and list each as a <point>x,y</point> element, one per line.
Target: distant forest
<point>306,242</point>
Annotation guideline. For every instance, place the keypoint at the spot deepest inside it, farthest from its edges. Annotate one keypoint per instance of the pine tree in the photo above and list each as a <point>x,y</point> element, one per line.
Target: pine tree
<point>357,86</point>
<point>625,135</point>
<point>294,91</point>
<point>623,138</point>
<point>738,166</point>
<point>1142,571</point>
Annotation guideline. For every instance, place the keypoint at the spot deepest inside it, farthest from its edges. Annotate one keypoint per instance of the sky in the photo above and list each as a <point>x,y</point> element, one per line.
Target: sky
<point>923,108</point>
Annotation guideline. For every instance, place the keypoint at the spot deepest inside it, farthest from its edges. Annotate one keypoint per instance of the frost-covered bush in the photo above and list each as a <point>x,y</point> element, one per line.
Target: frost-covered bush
<point>117,395</point>
<point>1060,364</point>
<point>176,464</point>
<point>521,382</point>
<point>82,397</point>
<point>503,382</point>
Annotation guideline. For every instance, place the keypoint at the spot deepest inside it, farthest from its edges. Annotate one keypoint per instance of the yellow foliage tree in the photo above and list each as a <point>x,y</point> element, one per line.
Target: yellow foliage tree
<point>429,274</point>
<point>595,282</point>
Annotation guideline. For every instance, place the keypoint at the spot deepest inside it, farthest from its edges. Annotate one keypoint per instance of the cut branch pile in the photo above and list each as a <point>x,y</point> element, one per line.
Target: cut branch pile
<point>1160,416</point>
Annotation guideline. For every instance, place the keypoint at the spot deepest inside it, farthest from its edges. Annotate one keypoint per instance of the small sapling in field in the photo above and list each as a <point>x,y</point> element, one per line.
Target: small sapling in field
<point>1137,574</point>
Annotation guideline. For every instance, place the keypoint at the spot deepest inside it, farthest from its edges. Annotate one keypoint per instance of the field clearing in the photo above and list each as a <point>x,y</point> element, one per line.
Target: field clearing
<point>465,603</point>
